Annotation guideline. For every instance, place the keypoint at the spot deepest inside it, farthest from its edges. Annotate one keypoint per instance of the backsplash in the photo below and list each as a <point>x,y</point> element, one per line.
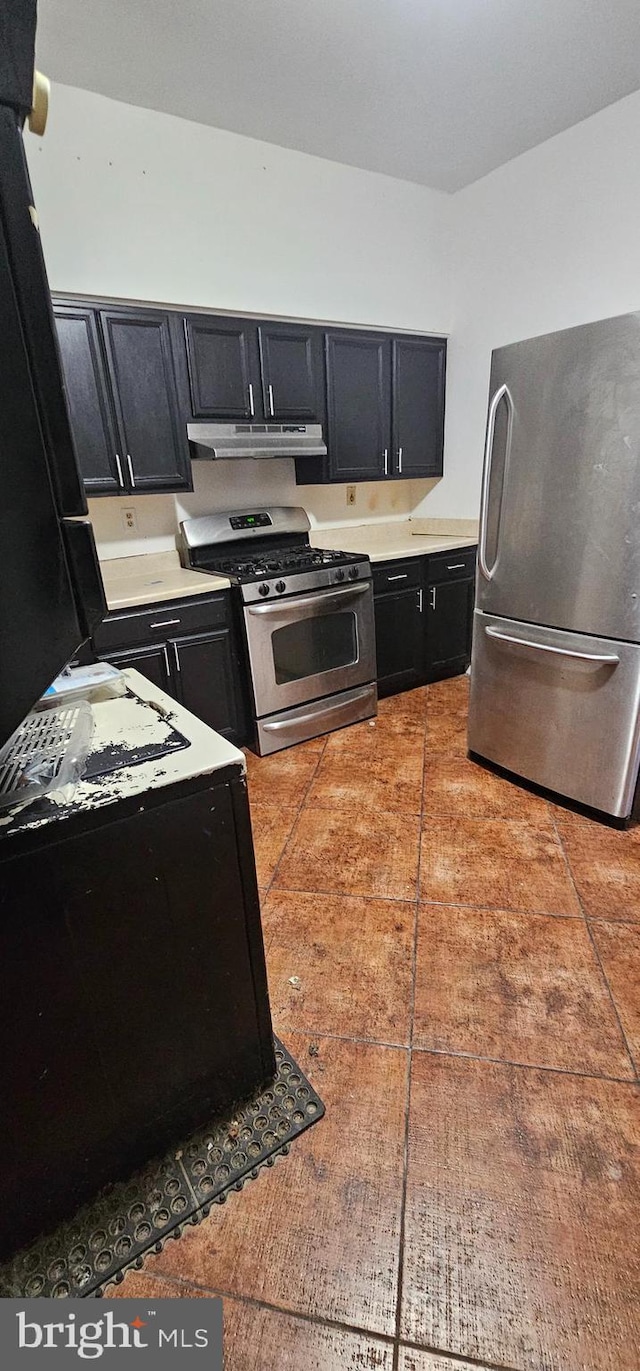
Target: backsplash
<point>240,485</point>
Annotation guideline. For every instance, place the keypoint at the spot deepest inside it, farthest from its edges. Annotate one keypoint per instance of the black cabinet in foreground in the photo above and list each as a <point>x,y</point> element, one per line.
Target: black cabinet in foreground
<point>134,1003</point>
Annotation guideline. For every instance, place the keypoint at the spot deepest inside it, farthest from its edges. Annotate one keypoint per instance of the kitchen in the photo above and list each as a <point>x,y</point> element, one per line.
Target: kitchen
<point>452,957</point>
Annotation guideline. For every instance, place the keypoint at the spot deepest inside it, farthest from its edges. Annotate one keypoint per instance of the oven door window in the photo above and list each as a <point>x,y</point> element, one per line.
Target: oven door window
<point>310,646</point>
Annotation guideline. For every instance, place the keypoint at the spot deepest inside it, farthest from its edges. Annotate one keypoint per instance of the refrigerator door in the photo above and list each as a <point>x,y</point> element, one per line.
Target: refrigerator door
<point>560,525</point>
<point>561,709</point>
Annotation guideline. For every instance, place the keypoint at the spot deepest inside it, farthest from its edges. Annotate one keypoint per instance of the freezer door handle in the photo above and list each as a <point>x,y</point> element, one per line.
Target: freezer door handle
<point>598,658</point>
<point>502,394</point>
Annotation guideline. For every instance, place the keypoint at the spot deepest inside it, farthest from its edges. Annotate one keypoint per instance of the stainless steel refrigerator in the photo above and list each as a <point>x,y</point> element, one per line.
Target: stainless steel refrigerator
<point>555,672</point>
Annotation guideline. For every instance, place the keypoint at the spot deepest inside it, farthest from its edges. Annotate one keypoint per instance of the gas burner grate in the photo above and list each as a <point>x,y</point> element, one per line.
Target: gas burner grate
<point>112,1234</point>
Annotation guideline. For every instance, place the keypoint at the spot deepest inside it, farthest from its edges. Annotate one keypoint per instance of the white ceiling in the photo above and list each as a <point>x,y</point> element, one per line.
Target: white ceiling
<point>434,91</point>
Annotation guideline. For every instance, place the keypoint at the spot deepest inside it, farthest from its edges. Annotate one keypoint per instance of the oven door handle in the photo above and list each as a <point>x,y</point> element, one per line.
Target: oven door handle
<point>321,597</point>
<point>284,725</point>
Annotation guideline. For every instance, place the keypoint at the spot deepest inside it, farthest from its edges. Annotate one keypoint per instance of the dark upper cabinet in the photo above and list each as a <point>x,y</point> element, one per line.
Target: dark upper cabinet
<point>291,365</point>
<point>206,681</point>
<point>417,388</point>
<point>88,400</point>
<point>449,622</point>
<point>224,372</point>
<point>141,370</point>
<point>358,415</point>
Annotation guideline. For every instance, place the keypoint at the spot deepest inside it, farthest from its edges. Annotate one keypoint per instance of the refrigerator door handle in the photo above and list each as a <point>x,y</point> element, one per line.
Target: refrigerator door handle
<point>502,393</point>
<point>598,658</point>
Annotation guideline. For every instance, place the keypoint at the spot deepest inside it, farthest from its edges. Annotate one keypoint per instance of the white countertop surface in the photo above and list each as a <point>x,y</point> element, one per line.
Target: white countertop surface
<point>387,542</point>
<point>121,722</point>
<point>152,577</point>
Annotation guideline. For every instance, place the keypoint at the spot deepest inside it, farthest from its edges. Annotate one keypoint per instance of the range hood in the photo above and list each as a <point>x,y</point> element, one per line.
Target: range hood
<point>223,442</point>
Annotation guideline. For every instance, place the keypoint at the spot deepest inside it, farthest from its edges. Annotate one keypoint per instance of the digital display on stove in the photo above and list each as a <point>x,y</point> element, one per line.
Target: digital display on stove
<point>261,520</point>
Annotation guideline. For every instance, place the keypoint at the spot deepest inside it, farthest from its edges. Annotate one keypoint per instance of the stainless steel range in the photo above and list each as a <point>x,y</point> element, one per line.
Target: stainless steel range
<point>306,615</point>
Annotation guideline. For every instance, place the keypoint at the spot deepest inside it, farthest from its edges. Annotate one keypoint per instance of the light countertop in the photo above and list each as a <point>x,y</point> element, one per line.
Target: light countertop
<point>152,577</point>
<point>406,538</point>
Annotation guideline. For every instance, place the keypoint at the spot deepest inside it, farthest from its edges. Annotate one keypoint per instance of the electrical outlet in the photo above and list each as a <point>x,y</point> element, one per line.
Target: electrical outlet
<point>130,520</point>
<point>351,495</point>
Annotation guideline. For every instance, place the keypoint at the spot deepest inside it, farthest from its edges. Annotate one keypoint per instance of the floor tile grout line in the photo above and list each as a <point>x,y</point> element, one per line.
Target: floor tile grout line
<point>438,904</point>
<point>457,1358</point>
<point>405,1151</point>
<point>454,1054</point>
<point>323,1320</point>
<point>298,812</point>
<point>521,1066</point>
<point>596,952</point>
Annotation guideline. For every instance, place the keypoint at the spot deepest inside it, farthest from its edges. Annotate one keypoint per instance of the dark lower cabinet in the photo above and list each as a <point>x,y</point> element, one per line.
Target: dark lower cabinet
<point>424,618</point>
<point>206,681</point>
<point>152,662</point>
<point>200,668</point>
<point>399,640</point>
<point>449,619</point>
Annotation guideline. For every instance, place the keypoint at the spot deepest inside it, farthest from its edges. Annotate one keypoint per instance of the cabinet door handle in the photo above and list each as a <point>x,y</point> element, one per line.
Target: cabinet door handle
<point>457,566</point>
<point>119,470</point>
<point>252,410</point>
<point>386,461</point>
<point>420,600</point>
<point>400,461</point>
<point>177,656</point>
<point>166,661</point>
<point>432,594</point>
<point>403,577</point>
<point>165,623</point>
<point>271,409</point>
<point>131,475</point>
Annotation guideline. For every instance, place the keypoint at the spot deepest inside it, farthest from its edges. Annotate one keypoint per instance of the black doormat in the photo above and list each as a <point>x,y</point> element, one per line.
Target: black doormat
<point>113,1233</point>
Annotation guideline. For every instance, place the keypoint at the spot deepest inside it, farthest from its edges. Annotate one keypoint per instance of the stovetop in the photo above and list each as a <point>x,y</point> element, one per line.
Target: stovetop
<point>279,559</point>
<point>285,570</point>
<point>266,553</point>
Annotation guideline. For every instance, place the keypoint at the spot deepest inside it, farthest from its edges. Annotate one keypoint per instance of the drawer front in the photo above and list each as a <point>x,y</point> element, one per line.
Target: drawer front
<point>168,620</point>
<point>451,566</point>
<point>389,576</point>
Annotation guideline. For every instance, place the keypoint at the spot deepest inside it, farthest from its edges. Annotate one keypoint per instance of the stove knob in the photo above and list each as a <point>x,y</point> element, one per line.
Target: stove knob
<point>340,575</point>
<point>354,572</point>
<point>280,587</point>
<point>263,588</point>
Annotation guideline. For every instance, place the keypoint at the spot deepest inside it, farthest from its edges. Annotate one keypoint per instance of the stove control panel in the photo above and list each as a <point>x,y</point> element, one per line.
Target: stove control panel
<point>301,582</point>
<point>258,520</point>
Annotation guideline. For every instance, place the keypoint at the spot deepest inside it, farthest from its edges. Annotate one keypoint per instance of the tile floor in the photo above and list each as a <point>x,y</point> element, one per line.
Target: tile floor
<point>469,1009</point>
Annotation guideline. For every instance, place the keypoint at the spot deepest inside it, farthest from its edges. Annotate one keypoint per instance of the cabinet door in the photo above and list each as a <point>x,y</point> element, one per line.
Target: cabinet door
<point>224,372</point>
<point>399,640</point>
<point>152,662</point>
<point>153,436</point>
<point>449,625</point>
<point>418,374</point>
<point>88,400</point>
<point>358,410</point>
<point>207,681</point>
<point>291,366</point>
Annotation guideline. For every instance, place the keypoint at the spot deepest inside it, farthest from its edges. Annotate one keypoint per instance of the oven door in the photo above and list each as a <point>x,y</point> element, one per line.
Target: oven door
<point>309,646</point>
